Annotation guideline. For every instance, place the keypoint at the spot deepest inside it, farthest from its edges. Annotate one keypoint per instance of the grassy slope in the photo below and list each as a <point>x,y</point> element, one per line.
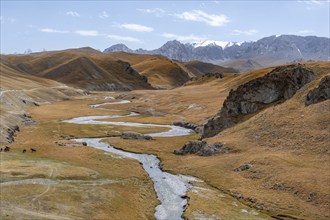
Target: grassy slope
<point>161,72</point>
<point>75,68</point>
<point>201,68</point>
<point>287,145</point>
<point>84,67</point>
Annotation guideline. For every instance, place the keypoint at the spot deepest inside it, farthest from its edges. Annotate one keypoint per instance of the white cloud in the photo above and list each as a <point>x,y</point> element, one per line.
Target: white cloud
<point>50,30</point>
<point>89,33</point>
<point>245,32</point>
<point>201,16</point>
<point>135,27</point>
<point>6,20</point>
<point>183,38</point>
<point>73,13</point>
<point>156,11</point>
<point>312,4</point>
<point>305,32</point>
<point>103,14</point>
<point>123,38</point>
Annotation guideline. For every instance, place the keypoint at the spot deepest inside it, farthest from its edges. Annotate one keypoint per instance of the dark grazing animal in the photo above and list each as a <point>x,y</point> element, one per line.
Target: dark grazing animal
<point>24,151</point>
<point>33,150</point>
<point>6,149</point>
<point>0,149</point>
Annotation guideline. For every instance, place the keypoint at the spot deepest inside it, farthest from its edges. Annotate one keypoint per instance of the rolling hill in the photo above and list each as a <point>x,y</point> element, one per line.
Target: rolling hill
<point>90,69</point>
<point>164,73</point>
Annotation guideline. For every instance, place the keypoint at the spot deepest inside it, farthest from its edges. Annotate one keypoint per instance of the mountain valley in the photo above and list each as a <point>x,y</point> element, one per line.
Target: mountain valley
<point>265,153</point>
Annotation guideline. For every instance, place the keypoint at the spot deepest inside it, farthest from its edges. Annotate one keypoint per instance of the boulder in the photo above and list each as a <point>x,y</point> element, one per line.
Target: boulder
<point>201,148</point>
<point>319,94</point>
<point>249,98</point>
<point>135,135</point>
<point>243,167</point>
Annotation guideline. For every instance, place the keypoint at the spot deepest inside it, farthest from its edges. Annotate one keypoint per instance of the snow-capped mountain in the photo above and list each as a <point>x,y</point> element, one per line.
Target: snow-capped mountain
<point>222,44</point>
<point>273,50</point>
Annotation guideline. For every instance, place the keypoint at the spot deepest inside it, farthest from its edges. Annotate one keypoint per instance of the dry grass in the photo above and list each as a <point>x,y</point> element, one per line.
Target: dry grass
<point>72,200</point>
<point>287,145</point>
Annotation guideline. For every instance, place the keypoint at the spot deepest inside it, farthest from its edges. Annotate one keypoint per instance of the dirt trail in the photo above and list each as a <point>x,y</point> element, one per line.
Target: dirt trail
<point>31,214</point>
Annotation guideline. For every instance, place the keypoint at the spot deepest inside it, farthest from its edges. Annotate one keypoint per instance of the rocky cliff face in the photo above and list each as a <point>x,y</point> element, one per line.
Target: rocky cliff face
<point>277,86</point>
<point>287,48</point>
<point>319,94</point>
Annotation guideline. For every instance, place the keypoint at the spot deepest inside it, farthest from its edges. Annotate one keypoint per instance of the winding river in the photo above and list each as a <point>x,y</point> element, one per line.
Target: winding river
<point>171,189</point>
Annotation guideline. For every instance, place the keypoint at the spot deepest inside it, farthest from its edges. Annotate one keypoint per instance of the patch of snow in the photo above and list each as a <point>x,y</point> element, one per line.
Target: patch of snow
<point>240,43</point>
<point>222,44</point>
<point>299,51</point>
<point>205,43</point>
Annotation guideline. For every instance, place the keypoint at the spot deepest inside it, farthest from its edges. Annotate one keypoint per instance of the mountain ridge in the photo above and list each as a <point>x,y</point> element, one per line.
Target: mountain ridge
<point>268,51</point>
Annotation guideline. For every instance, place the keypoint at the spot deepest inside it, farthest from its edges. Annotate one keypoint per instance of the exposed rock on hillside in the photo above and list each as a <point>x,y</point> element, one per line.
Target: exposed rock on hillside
<point>202,148</point>
<point>319,94</point>
<point>188,125</point>
<point>118,47</point>
<point>251,97</point>
<point>243,167</point>
<point>135,135</point>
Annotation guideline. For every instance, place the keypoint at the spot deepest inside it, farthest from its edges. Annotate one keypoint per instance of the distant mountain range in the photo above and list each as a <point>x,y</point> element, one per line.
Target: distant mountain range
<point>244,56</point>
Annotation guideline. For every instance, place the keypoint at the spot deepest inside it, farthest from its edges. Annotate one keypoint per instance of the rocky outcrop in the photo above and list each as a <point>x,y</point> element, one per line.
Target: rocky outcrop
<point>208,75</point>
<point>202,148</point>
<point>11,133</point>
<point>277,86</point>
<point>135,135</point>
<point>192,126</point>
<point>243,167</point>
<point>70,143</point>
<point>319,94</point>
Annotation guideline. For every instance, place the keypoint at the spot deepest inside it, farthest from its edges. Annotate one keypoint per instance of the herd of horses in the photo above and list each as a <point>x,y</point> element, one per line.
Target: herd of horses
<point>7,149</point>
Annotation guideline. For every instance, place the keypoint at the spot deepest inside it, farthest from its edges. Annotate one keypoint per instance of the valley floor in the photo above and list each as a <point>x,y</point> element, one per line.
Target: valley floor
<point>63,182</point>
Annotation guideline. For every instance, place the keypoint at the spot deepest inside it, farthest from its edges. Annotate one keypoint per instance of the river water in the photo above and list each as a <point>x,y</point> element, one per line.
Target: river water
<point>171,189</point>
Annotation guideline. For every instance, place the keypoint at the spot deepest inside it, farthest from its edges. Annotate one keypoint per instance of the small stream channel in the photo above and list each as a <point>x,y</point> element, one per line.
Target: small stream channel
<point>171,189</point>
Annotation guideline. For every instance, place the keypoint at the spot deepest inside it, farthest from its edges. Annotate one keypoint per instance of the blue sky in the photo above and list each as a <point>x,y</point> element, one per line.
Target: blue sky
<point>55,25</point>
